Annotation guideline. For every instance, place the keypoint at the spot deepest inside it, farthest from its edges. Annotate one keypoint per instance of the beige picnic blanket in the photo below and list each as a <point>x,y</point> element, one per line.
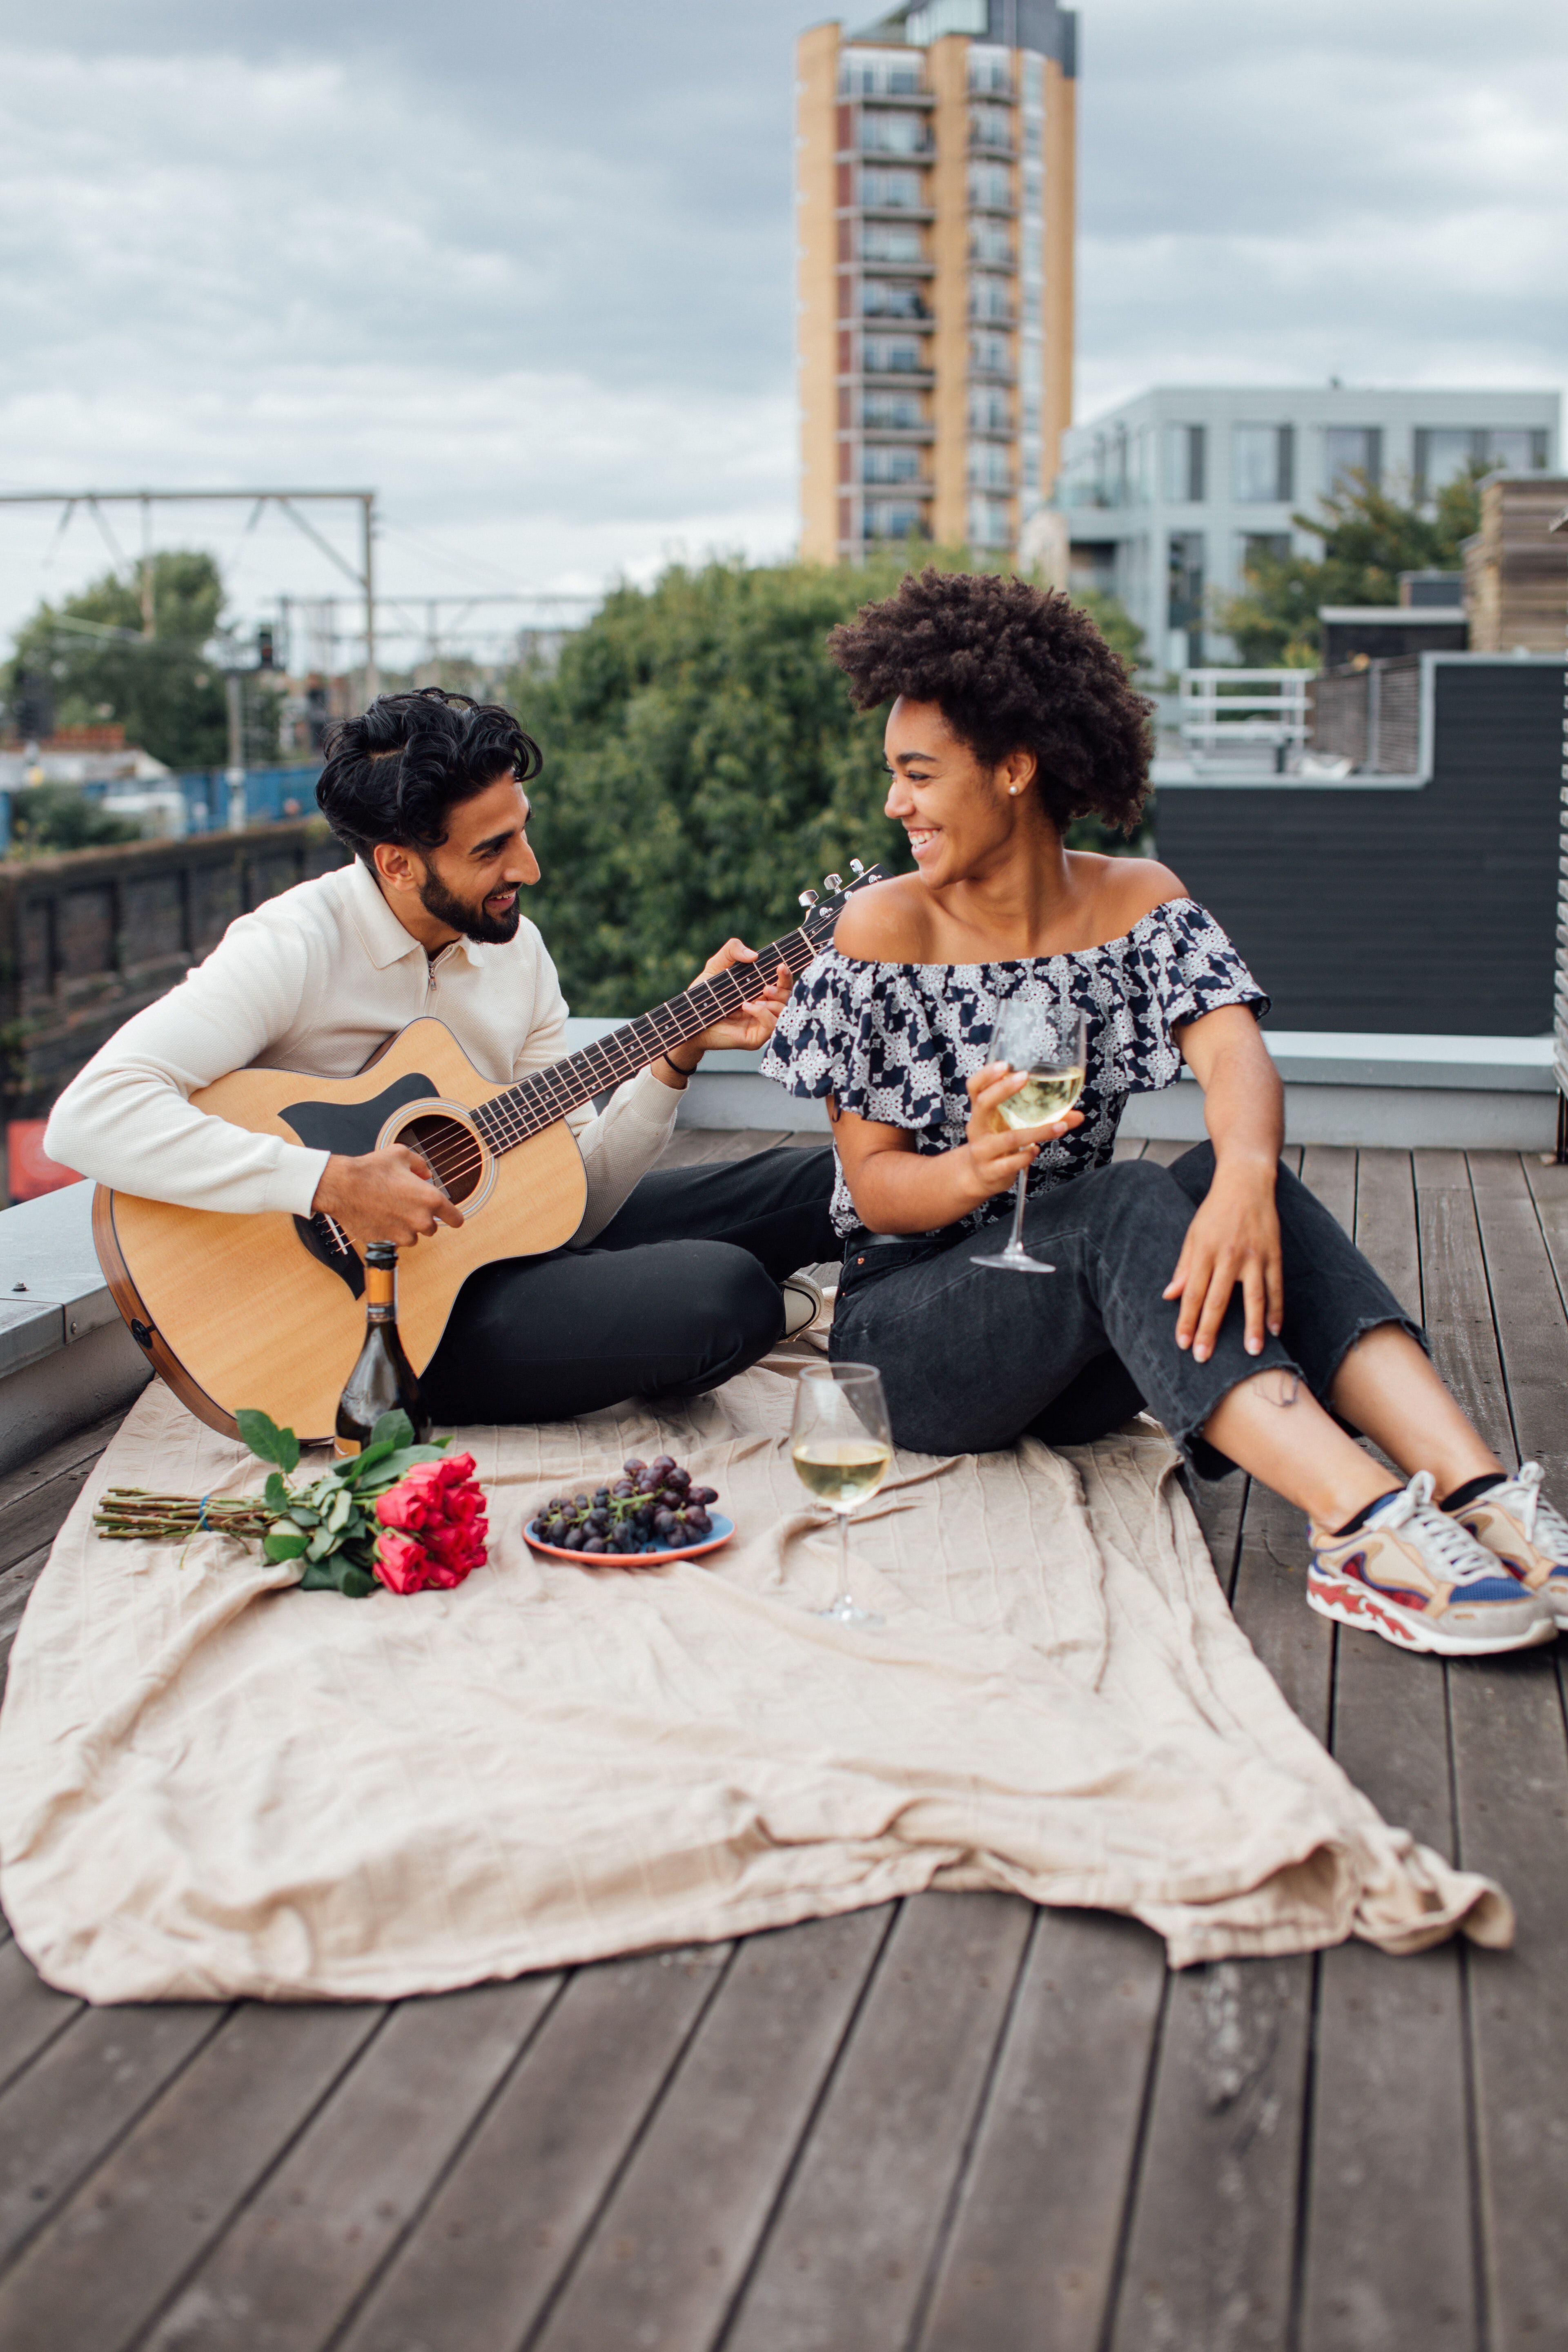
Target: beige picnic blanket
<point>211,1786</point>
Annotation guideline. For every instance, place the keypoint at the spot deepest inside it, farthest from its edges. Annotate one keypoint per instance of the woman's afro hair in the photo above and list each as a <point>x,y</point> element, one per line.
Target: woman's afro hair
<point>1011,668</point>
<point>393,773</point>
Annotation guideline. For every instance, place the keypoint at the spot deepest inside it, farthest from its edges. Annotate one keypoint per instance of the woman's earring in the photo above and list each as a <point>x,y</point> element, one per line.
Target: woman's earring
<point>1013,790</point>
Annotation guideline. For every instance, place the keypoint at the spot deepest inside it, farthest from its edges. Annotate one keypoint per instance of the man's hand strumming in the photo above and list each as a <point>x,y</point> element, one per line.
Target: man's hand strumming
<point>385,1196</point>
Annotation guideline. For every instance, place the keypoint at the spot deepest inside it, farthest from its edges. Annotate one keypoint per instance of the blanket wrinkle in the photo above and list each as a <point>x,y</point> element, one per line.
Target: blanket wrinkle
<point>212,1785</point>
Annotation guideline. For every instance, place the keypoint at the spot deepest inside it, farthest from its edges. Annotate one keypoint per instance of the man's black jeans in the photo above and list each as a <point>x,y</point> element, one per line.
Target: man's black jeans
<point>680,1292</point>
<point>972,1359</point>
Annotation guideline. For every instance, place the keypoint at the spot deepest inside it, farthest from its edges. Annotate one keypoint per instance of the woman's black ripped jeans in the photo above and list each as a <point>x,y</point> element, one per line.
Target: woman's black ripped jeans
<point>973,1359</point>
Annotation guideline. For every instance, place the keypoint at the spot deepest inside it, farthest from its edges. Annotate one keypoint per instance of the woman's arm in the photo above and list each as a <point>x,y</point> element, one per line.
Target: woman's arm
<point>1235,1234</point>
<point>898,1189</point>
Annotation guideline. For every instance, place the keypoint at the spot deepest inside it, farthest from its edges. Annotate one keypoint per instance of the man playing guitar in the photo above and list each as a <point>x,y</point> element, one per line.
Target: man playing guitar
<point>672,1282</point>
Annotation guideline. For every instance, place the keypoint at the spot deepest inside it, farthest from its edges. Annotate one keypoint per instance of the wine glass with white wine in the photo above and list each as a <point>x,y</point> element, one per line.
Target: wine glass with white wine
<point>842,1446</point>
<point>1049,1042</point>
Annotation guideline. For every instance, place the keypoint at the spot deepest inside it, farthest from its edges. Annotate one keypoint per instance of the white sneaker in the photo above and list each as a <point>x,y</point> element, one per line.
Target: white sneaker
<point>803,1305</point>
<point>1420,1579</point>
<point>1514,1521</point>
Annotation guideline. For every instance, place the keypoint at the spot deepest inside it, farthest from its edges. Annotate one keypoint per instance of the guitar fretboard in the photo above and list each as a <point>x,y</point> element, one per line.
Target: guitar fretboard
<point>545,1097</point>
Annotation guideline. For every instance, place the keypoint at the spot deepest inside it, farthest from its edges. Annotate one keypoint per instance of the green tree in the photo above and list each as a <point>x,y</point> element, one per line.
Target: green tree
<point>1369,536</point>
<point>1115,624</point>
<point>86,661</point>
<point>47,817</point>
<point>703,766</point>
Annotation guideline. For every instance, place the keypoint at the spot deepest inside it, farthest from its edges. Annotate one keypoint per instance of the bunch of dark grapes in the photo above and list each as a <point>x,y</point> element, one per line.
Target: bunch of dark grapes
<point>653,1507</point>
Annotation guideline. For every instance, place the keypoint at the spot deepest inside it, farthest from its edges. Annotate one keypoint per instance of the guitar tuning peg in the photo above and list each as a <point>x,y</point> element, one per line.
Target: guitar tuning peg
<point>855,868</point>
<point>807,898</point>
<point>833,881</point>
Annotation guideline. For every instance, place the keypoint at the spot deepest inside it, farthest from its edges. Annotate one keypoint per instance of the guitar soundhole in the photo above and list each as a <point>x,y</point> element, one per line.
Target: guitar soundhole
<point>451,1150</point>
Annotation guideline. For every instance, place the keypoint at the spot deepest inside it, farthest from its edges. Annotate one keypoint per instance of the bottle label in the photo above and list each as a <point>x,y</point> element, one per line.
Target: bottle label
<point>345,1448</point>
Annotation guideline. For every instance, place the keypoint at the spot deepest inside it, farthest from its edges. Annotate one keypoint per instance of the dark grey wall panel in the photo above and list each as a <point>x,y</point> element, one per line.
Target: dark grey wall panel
<point>1369,909</point>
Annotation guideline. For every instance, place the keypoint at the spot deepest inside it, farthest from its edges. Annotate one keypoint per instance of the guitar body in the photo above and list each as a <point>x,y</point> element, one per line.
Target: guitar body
<point>240,1311</point>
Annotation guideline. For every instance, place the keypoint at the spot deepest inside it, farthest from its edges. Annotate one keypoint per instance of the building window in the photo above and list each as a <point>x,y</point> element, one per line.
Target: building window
<point>1186,464</point>
<point>894,463</point>
<point>884,298</point>
<point>990,522</point>
<point>891,190</point>
<point>990,355</point>
<point>890,355</point>
<point>1351,450</point>
<point>989,70</point>
<point>989,412</point>
<point>893,134</point>
<point>991,242</point>
<point>1034,135</point>
<point>1031,465</point>
<point>1184,599</point>
<point>991,126</point>
<point>1445,452</point>
<point>890,241</point>
<point>989,466</point>
<point>990,188</point>
<point>1263,464</point>
<point>1032,301</point>
<point>1034,192</point>
<point>892,519</point>
<point>865,74</point>
<point>990,298</point>
<point>924,25</point>
<point>891,411</point>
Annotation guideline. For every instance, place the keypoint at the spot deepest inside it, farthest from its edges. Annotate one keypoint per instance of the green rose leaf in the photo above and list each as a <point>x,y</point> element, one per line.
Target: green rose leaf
<point>318,1578</point>
<point>275,1494</point>
<point>397,1466</point>
<point>394,1428</point>
<point>283,1542</point>
<point>264,1439</point>
<point>321,1543</point>
<point>337,1510</point>
<point>356,1585</point>
<point>353,1472</point>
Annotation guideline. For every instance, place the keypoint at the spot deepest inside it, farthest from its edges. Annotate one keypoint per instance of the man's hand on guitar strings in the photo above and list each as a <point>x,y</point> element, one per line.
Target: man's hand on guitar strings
<point>754,1023</point>
<point>384,1196</point>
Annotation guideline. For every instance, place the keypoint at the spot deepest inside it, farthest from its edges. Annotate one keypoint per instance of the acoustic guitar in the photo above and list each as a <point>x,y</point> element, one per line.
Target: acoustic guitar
<point>264,1310</point>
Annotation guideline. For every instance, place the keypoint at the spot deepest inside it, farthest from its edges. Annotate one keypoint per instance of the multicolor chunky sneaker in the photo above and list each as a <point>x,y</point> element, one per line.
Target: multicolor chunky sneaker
<point>1514,1521</point>
<point>1420,1579</point>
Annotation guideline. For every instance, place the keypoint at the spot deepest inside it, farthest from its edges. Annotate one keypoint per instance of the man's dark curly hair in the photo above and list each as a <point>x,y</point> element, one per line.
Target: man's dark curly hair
<point>1011,668</point>
<point>393,773</point>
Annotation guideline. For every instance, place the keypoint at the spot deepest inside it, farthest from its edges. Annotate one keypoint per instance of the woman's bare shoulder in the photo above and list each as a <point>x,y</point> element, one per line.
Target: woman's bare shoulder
<point>1125,889</point>
<point>888,923</point>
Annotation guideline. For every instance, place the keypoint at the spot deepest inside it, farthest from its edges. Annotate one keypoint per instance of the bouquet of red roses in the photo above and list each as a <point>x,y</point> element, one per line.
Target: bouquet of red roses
<point>406,1516</point>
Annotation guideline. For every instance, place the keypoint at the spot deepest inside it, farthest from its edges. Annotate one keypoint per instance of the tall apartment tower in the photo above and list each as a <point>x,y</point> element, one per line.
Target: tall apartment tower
<point>934,200</point>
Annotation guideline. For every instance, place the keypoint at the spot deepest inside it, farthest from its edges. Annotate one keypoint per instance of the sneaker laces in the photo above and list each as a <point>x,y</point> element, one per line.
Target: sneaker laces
<point>1521,1495</point>
<point>1463,1560</point>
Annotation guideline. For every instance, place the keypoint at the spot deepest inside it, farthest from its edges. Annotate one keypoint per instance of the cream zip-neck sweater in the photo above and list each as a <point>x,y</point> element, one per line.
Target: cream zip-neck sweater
<point>314,980</point>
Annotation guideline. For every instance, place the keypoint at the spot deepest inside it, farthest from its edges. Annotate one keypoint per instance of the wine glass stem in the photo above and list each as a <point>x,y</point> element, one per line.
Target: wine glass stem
<point>843,1518</point>
<point>1015,1245</point>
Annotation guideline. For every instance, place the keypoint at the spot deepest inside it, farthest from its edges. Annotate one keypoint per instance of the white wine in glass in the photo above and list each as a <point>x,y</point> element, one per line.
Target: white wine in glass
<point>842,1448</point>
<point>1049,1042</point>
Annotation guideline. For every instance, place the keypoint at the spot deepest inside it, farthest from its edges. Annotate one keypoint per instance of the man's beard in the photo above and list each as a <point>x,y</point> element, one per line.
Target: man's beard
<point>490,931</point>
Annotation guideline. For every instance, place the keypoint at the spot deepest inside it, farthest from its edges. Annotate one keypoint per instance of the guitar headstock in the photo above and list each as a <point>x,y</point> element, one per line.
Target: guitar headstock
<point>821,914</point>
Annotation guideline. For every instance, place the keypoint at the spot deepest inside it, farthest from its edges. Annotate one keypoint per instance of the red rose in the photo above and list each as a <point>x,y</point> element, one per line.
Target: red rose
<point>434,1526</point>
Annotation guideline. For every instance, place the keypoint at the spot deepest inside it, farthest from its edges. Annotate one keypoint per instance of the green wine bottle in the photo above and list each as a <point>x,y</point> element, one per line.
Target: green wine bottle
<point>384,1378</point>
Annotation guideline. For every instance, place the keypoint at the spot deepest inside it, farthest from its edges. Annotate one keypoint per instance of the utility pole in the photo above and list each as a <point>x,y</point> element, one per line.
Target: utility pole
<point>149,610</point>
<point>234,775</point>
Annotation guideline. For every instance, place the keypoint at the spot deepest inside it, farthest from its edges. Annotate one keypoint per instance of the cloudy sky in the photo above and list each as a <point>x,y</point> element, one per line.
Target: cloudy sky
<point>526,270</point>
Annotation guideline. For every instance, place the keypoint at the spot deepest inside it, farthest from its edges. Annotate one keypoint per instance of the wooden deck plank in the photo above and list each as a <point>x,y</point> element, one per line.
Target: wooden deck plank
<point>663,2264</point>
<point>1329,1170</point>
<point>286,2272</point>
<point>1389,2089</point>
<point>98,2272</point>
<point>477,2268</point>
<point>1211,2244</point>
<point>79,2094</point>
<point>1549,1190</point>
<point>847,2257</point>
<point>1458,1312</point>
<point>32,1512</point>
<point>1511,1771</point>
<point>15,1586</point>
<point>77,1451</point>
<point>1030,2262</point>
<point>31,2013</point>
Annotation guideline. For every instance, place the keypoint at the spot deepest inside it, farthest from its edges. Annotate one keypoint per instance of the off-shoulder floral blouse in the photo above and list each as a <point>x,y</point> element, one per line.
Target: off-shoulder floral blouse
<point>895,1042</point>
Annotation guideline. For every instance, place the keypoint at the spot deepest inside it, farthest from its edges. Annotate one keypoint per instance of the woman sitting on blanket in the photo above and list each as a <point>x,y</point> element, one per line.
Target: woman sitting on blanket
<point>1216,1292</point>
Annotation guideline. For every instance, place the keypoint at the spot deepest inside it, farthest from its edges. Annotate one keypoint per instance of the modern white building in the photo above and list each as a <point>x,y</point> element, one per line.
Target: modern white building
<point>1166,497</point>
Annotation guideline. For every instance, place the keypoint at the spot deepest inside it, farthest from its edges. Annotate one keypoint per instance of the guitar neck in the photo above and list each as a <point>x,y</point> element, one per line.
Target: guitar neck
<point>545,1096</point>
